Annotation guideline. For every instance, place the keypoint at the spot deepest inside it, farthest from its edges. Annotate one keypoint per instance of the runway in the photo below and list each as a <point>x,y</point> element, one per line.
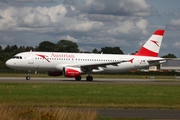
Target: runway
<point>142,113</point>
<point>57,80</point>
<point>115,113</point>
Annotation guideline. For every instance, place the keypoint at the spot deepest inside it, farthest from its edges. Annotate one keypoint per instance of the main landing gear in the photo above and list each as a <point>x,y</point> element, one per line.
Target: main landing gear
<point>78,78</point>
<point>88,78</point>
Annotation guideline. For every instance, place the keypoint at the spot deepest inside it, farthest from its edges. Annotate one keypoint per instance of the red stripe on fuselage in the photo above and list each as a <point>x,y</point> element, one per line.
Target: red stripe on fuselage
<point>145,52</point>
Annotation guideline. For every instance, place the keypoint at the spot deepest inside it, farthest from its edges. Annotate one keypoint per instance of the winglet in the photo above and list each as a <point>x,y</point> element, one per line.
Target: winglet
<point>152,46</point>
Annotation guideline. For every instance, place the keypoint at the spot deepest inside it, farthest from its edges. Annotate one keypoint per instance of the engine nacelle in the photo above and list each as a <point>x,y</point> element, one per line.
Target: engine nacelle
<point>55,73</point>
<point>72,71</point>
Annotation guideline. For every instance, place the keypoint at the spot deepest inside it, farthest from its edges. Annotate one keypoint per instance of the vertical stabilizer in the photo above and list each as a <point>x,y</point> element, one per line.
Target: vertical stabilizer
<point>152,46</point>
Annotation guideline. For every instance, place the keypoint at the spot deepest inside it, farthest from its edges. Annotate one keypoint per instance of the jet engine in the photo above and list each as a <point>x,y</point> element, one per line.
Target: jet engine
<point>55,73</point>
<point>72,71</point>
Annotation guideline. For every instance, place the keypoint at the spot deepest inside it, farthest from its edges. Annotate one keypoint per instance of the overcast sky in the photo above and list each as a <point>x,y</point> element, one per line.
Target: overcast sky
<point>90,23</point>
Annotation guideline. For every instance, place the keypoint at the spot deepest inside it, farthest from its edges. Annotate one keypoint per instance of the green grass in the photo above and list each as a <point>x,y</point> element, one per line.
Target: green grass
<point>91,95</point>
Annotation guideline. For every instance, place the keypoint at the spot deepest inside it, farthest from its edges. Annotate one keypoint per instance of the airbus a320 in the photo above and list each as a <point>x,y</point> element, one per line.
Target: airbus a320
<point>76,64</point>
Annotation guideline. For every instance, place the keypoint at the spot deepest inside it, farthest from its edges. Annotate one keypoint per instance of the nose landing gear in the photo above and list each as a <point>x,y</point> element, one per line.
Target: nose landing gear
<point>28,77</point>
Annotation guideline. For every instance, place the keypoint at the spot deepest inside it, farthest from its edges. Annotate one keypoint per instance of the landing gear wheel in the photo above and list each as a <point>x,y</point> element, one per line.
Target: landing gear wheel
<point>28,77</point>
<point>89,78</point>
<point>78,78</point>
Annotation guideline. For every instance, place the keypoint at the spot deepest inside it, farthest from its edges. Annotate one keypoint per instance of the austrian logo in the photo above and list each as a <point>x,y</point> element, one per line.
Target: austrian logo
<point>69,56</point>
<point>43,56</point>
<point>155,42</point>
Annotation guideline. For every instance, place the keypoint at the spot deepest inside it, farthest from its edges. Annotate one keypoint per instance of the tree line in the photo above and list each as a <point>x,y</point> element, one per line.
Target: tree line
<point>60,46</point>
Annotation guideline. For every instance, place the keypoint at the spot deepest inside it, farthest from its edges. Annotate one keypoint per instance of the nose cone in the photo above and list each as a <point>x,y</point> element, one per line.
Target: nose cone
<point>9,63</point>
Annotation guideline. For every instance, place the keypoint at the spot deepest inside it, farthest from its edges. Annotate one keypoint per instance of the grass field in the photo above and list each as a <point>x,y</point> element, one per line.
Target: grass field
<point>91,95</point>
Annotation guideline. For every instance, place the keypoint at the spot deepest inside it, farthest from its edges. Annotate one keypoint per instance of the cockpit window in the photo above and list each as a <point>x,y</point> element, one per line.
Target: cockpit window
<point>17,57</point>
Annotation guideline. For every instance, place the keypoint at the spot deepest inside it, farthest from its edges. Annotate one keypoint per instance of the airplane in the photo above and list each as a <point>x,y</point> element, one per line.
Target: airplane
<point>76,64</point>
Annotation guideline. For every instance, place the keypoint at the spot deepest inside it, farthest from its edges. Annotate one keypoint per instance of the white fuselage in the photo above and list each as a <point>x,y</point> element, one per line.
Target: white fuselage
<point>55,61</point>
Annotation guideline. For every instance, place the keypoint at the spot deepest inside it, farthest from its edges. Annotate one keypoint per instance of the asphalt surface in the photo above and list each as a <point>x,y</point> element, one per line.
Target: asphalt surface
<point>115,113</point>
<point>136,113</point>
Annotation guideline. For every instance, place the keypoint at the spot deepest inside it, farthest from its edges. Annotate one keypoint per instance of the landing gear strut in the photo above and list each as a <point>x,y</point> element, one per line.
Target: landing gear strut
<point>28,77</point>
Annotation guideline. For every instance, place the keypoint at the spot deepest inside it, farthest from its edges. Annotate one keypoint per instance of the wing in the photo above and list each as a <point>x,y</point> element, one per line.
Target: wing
<point>96,67</point>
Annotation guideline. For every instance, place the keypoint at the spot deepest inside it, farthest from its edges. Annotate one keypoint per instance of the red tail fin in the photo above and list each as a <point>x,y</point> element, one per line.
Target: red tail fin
<point>152,46</point>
